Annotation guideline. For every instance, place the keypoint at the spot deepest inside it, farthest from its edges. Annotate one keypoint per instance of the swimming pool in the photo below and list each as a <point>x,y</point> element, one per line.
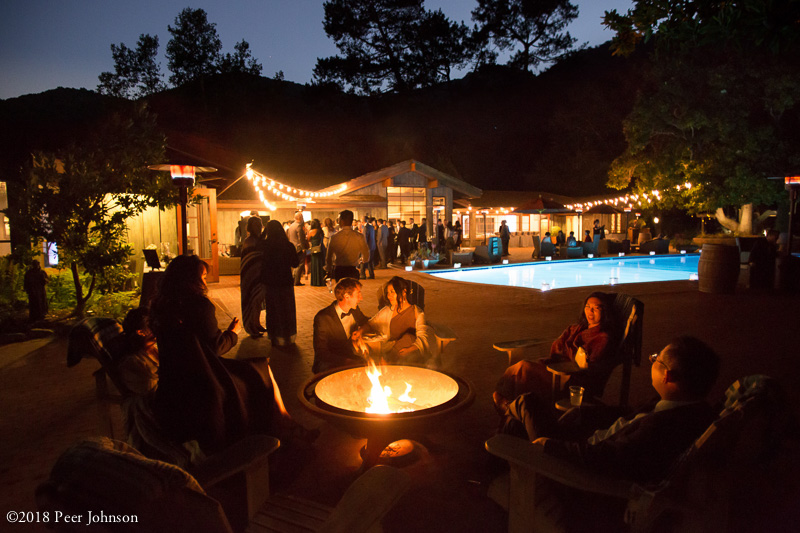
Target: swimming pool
<point>550,275</point>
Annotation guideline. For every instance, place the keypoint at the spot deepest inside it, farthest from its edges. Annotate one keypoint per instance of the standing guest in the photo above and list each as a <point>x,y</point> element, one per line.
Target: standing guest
<point>439,236</point>
<point>588,237</point>
<point>414,234</point>
<point>346,247</point>
<point>328,229</point>
<point>423,233</point>
<point>369,234</point>
<point>279,258</point>
<point>391,255</point>
<point>35,284</point>
<point>315,238</point>
<point>383,242</point>
<point>597,229</point>
<point>404,241</point>
<point>297,236</point>
<point>505,236</point>
<point>201,396</point>
<point>250,279</point>
<point>459,234</point>
<point>571,240</point>
<point>337,328</point>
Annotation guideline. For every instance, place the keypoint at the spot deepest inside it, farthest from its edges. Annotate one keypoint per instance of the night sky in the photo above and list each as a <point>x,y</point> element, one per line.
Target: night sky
<point>45,44</point>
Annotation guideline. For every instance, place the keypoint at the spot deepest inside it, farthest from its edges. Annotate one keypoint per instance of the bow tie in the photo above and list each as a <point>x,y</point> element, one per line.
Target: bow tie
<point>343,314</point>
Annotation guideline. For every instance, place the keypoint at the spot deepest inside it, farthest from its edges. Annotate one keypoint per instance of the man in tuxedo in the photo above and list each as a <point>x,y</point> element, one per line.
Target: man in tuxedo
<point>337,328</point>
<point>644,444</point>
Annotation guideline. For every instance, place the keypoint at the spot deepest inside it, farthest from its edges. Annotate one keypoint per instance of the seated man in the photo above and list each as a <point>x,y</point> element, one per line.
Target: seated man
<point>643,445</point>
<point>337,328</point>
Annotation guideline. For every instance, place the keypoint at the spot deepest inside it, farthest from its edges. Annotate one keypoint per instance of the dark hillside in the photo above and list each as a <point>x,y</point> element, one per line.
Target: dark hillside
<point>497,129</point>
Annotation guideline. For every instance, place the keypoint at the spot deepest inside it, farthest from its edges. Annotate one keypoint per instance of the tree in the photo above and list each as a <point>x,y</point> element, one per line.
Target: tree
<point>534,29</point>
<point>241,61</point>
<point>80,197</point>
<point>193,52</point>
<point>389,45</point>
<point>136,72</point>
<point>722,106</point>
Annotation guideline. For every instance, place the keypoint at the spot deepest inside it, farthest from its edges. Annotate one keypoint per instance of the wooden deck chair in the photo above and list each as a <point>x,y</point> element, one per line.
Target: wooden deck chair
<point>547,249</point>
<point>109,476</point>
<point>629,313</point>
<point>744,450</point>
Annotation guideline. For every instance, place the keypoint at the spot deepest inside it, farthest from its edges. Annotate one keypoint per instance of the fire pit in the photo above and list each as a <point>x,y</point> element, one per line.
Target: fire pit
<point>383,404</point>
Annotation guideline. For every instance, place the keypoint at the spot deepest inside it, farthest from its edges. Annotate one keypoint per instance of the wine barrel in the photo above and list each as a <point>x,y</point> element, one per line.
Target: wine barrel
<point>718,269</point>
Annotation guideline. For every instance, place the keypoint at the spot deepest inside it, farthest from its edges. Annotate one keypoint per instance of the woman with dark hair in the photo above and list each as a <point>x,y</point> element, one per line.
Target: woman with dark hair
<point>279,258</point>
<point>202,396</point>
<point>588,343</point>
<point>408,337</point>
<point>328,229</point>
<point>252,288</point>
<point>315,239</point>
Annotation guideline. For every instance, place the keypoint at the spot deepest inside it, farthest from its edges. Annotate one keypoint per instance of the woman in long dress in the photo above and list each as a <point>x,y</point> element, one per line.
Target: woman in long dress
<point>202,396</point>
<point>588,343</point>
<point>409,339</point>
<point>250,279</point>
<point>279,258</point>
<point>328,229</point>
<point>315,239</point>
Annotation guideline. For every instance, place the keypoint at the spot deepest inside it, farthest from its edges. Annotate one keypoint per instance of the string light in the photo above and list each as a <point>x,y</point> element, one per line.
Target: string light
<point>284,191</point>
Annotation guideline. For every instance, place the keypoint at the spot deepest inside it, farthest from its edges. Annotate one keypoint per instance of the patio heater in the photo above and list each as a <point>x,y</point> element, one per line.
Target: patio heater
<point>183,177</point>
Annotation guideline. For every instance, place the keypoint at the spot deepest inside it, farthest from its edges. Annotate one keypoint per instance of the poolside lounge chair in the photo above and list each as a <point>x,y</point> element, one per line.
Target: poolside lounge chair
<point>737,465</point>
<point>110,477</point>
<point>547,249</point>
<point>574,252</point>
<point>659,246</point>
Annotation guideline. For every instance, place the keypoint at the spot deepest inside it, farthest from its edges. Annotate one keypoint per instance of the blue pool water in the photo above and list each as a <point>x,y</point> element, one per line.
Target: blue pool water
<point>581,272</point>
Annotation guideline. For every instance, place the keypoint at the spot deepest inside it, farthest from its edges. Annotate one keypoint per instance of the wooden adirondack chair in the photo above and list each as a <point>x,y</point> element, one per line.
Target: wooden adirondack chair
<point>108,476</point>
<point>699,495</point>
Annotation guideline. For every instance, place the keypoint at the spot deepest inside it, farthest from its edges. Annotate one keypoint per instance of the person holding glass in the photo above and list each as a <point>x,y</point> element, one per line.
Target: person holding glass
<point>588,343</point>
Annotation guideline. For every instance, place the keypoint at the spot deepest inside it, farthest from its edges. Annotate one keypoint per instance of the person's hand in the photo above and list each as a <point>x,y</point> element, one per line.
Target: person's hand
<point>540,441</point>
<point>235,326</point>
<point>407,351</point>
<point>580,359</point>
<point>356,335</point>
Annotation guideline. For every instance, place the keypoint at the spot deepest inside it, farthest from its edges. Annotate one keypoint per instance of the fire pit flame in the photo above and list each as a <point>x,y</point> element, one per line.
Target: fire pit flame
<point>381,396</point>
<point>386,389</point>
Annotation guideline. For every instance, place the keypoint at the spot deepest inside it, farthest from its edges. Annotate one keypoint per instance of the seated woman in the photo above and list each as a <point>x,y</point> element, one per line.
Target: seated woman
<point>588,343</point>
<point>409,339</point>
<point>202,396</point>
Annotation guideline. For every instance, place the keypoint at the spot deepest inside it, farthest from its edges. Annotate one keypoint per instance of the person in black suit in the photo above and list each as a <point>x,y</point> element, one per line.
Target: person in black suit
<point>644,444</point>
<point>404,241</point>
<point>338,327</point>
